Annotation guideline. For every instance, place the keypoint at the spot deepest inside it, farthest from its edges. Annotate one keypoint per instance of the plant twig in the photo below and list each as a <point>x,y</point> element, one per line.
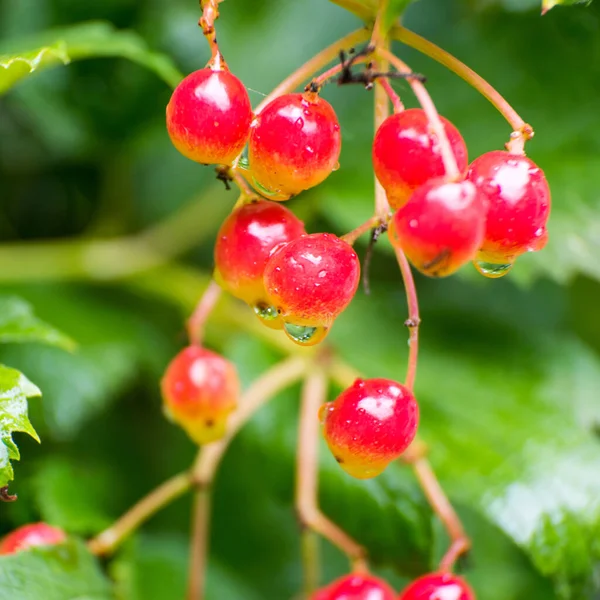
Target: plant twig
<point>108,541</point>
<point>264,388</point>
<point>382,111</point>
<point>197,321</point>
<point>309,514</point>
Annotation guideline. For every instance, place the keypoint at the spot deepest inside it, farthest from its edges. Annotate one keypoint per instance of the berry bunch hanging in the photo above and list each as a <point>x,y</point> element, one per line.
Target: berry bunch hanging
<point>440,213</point>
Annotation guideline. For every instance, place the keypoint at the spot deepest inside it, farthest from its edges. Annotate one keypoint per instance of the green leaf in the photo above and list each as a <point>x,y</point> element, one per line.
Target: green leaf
<point>20,58</point>
<point>64,572</point>
<point>72,496</point>
<point>19,324</point>
<point>15,388</point>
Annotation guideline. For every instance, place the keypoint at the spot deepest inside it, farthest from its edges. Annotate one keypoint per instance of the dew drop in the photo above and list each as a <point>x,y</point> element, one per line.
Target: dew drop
<point>301,334</point>
<point>310,149</point>
<point>299,123</point>
<point>492,270</point>
<point>336,166</point>
<point>266,312</point>
<point>306,112</point>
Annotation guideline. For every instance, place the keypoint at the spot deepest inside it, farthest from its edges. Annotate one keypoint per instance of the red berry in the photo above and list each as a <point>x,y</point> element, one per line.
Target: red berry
<point>438,586</point>
<point>519,208</point>
<point>406,153</point>
<point>294,145</point>
<point>441,227</point>
<point>243,246</point>
<point>28,536</point>
<point>356,587</point>
<point>370,424</point>
<point>310,281</point>
<point>209,116</point>
<point>200,389</point>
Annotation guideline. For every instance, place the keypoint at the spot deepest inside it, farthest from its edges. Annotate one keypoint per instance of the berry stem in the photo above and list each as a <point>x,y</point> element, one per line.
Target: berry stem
<point>444,510</point>
<point>210,13</point>
<point>311,561</point>
<point>319,81</point>
<point>381,112</point>
<point>397,103</point>
<point>353,235</point>
<point>413,320</point>
<point>452,172</point>
<point>519,126</point>
<point>107,541</point>
<point>197,321</point>
<point>270,383</point>
<point>237,174</point>
<point>314,394</point>
<point>310,67</point>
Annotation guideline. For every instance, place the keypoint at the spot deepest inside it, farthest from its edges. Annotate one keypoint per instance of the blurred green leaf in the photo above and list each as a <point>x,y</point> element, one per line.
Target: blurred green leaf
<point>21,57</point>
<point>367,9</point>
<point>155,567</point>
<point>15,388</point>
<point>548,4</point>
<point>72,496</point>
<point>19,324</point>
<point>65,572</point>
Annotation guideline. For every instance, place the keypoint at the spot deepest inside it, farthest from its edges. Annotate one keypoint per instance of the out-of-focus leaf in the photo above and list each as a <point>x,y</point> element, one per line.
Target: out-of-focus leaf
<point>155,567</point>
<point>20,58</point>
<point>510,420</point>
<point>118,339</point>
<point>64,572</point>
<point>548,4</point>
<point>367,9</point>
<point>72,496</point>
<point>19,324</point>
<point>15,388</point>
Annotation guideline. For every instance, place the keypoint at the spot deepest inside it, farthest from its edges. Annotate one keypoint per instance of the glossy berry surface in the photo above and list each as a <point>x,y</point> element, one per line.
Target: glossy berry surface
<point>438,586</point>
<point>356,587</point>
<point>294,145</point>
<point>28,536</point>
<point>406,153</point>
<point>310,281</point>
<point>200,388</point>
<point>441,227</point>
<point>209,116</point>
<point>370,424</point>
<point>244,244</point>
<point>519,205</point>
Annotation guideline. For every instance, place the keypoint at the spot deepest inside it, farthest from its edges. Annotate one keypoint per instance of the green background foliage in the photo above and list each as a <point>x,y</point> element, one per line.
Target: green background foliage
<point>107,234</point>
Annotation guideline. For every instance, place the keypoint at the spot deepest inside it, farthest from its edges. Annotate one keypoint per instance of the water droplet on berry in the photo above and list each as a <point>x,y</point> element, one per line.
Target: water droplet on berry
<point>336,166</point>
<point>310,149</point>
<point>301,334</point>
<point>299,123</point>
<point>492,270</point>
<point>266,312</point>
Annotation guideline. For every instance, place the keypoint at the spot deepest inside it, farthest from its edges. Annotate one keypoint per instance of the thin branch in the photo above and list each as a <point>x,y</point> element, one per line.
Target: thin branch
<point>277,378</point>
<point>353,235</point>
<point>382,111</point>
<point>197,321</point>
<point>397,103</point>
<point>108,541</point>
<point>310,516</point>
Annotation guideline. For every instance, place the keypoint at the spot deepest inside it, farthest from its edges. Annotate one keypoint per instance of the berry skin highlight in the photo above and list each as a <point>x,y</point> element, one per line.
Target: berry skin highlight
<point>29,536</point>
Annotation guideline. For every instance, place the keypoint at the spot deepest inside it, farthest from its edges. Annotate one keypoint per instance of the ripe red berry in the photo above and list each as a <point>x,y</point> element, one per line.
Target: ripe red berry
<point>28,536</point>
<point>438,586</point>
<point>370,424</point>
<point>209,116</point>
<point>441,227</point>
<point>294,145</point>
<point>519,207</point>
<point>200,389</point>
<point>406,153</point>
<point>310,281</point>
<point>356,587</point>
<point>243,246</point>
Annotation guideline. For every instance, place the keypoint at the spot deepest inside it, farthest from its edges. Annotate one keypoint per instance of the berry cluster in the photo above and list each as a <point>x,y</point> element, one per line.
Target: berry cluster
<point>439,211</point>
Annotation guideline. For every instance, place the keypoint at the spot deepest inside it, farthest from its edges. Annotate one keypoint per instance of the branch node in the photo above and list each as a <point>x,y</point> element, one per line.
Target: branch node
<point>5,496</point>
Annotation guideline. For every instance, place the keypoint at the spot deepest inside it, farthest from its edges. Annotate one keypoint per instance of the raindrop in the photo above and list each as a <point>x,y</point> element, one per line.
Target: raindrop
<point>266,312</point>
<point>301,334</point>
<point>336,166</point>
<point>299,123</point>
<point>492,270</point>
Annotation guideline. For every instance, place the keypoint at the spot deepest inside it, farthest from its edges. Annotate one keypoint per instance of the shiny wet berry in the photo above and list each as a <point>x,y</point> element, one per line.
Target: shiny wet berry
<point>519,207</point>
<point>310,281</point>
<point>200,388</point>
<point>209,116</point>
<point>28,536</point>
<point>438,586</point>
<point>406,153</point>
<point>356,586</point>
<point>441,227</point>
<point>369,425</point>
<point>294,145</point>
<point>244,244</point>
